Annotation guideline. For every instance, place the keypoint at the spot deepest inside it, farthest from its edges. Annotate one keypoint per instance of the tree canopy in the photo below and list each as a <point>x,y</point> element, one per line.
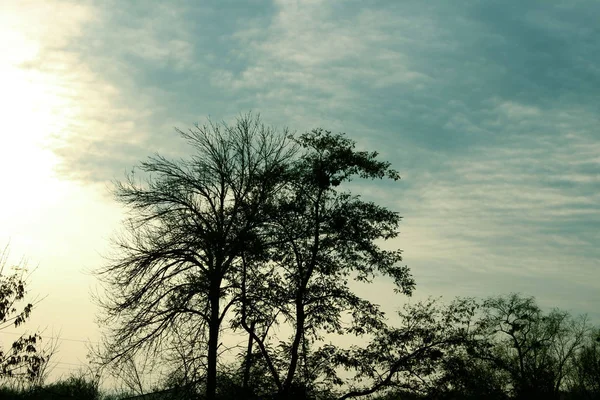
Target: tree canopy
<point>254,222</point>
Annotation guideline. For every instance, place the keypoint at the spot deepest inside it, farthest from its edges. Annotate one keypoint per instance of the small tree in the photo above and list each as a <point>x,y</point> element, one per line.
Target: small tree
<point>21,361</point>
<point>411,356</point>
<point>48,354</point>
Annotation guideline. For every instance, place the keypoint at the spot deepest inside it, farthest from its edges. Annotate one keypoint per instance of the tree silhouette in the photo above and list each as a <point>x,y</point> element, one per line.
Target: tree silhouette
<point>534,348</point>
<point>189,222</point>
<point>411,355</point>
<point>319,238</point>
<point>22,360</point>
<point>584,377</point>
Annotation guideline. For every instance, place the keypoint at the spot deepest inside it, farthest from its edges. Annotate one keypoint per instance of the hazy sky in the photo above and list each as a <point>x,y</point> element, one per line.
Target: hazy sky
<point>489,110</point>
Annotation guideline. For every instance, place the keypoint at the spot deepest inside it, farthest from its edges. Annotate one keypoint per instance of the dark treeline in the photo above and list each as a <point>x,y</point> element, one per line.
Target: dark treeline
<point>504,347</point>
<point>260,235</point>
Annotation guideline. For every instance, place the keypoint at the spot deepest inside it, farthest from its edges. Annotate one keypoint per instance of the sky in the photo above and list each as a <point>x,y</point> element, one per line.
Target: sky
<point>488,109</point>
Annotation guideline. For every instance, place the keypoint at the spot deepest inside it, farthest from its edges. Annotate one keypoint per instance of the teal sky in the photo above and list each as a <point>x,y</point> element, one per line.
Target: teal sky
<point>489,110</point>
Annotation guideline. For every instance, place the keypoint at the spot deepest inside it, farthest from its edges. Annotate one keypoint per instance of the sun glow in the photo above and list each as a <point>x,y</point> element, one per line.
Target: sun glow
<point>34,114</point>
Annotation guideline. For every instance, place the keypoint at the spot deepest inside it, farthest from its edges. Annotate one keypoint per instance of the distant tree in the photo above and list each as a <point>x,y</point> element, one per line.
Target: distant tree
<point>22,361</point>
<point>584,374</point>
<point>189,223</point>
<point>533,347</point>
<point>320,237</point>
<point>409,357</point>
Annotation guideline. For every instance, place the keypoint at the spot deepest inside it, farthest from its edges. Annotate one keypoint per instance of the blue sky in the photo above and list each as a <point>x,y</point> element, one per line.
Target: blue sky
<point>489,110</point>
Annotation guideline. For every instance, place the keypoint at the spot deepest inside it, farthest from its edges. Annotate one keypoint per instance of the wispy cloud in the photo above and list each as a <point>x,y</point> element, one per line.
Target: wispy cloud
<point>488,109</point>
<point>522,215</point>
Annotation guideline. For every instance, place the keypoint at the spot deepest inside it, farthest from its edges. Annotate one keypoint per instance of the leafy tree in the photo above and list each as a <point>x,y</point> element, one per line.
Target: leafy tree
<point>319,238</point>
<point>411,356</point>
<point>584,376</point>
<point>22,360</point>
<point>533,347</point>
<point>189,222</point>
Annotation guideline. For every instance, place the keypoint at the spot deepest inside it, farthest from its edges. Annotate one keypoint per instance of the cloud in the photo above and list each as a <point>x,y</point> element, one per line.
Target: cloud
<point>311,61</point>
<point>521,216</point>
<point>486,108</point>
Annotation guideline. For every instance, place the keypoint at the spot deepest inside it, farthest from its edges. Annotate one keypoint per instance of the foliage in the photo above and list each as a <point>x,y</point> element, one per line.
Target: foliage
<point>410,356</point>
<point>584,379</point>
<point>22,361</point>
<point>76,387</point>
<point>532,347</point>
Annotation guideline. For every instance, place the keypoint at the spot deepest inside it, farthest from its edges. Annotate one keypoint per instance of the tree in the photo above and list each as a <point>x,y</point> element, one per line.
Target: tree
<point>533,347</point>
<point>257,224</point>
<point>22,360</point>
<point>189,222</point>
<point>584,376</point>
<point>47,364</point>
<point>466,377</point>
<point>318,238</point>
<point>410,356</point>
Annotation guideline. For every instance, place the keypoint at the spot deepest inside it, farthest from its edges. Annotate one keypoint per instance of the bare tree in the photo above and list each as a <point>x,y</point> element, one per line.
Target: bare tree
<point>188,223</point>
<point>48,363</point>
<point>132,374</point>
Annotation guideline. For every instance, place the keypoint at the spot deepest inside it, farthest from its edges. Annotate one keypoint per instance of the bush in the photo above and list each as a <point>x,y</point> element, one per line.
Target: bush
<point>73,388</point>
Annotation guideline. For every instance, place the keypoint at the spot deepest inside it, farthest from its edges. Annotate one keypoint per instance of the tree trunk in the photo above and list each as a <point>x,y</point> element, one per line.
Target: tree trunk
<point>213,341</point>
<point>300,317</point>
<point>248,361</point>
